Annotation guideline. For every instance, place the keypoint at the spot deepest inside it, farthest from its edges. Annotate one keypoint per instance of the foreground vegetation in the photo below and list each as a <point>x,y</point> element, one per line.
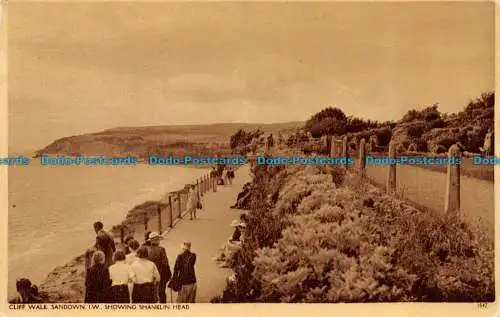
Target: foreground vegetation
<point>316,234</point>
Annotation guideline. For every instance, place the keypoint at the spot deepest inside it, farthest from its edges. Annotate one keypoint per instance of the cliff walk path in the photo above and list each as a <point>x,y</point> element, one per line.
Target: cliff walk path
<point>207,234</point>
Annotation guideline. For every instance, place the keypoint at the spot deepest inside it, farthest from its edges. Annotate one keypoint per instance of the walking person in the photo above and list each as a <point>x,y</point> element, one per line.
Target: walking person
<point>230,173</point>
<point>97,280</point>
<point>158,256</point>
<point>193,202</point>
<point>121,276</point>
<point>104,242</point>
<point>144,275</point>
<point>184,278</point>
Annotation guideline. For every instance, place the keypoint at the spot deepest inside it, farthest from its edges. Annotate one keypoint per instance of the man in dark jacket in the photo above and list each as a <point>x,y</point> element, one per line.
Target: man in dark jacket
<point>184,275</point>
<point>158,255</point>
<point>104,242</point>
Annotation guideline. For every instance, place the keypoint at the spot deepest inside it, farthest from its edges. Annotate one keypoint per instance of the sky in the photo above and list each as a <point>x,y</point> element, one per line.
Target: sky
<point>85,66</point>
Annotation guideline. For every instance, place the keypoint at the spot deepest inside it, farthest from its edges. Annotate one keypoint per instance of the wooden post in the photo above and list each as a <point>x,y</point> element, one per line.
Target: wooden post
<point>344,146</point>
<point>198,184</point>
<point>170,208</point>
<point>202,184</point>
<point>391,176</point>
<point>362,156</point>
<point>158,209</point>
<point>332,147</point>
<point>452,200</point>
<point>179,203</point>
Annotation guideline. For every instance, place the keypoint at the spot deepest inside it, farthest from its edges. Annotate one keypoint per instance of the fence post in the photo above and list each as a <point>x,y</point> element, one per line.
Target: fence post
<point>344,147</point>
<point>452,202</point>
<point>179,203</point>
<point>391,176</point>
<point>198,185</point>
<point>362,154</point>
<point>205,183</point>
<point>158,210</point>
<point>170,211</point>
<point>202,184</point>
<point>333,147</point>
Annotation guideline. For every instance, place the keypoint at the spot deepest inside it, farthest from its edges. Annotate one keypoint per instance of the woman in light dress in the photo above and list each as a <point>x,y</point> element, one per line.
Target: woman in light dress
<point>193,202</point>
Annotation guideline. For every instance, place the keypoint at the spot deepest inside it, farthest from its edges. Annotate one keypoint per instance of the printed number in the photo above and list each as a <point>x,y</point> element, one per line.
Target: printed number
<point>482,305</point>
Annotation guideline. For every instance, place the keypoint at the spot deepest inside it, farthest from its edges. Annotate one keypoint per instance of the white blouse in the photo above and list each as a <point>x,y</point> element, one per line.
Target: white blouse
<point>120,273</point>
<point>131,257</point>
<point>144,271</point>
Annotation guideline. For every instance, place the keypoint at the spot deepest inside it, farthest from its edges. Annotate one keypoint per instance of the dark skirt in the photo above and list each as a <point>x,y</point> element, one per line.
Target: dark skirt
<point>144,293</point>
<point>119,294</point>
<point>97,296</point>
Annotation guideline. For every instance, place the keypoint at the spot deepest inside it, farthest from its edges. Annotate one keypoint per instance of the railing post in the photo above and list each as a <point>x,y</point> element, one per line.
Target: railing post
<point>391,176</point>
<point>344,149</point>
<point>204,183</point>
<point>362,157</point>
<point>198,188</point>
<point>332,147</point>
<point>170,211</point>
<point>179,203</point>
<point>158,210</point>
<point>452,200</point>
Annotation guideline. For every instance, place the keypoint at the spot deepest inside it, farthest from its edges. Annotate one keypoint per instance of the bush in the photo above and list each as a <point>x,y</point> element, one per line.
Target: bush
<point>416,131</point>
<point>436,124</point>
<point>384,136</point>
<point>328,121</point>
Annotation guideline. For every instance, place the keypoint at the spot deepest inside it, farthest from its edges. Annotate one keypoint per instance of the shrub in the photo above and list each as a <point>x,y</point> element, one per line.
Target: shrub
<point>384,136</point>
<point>416,131</point>
<point>327,121</point>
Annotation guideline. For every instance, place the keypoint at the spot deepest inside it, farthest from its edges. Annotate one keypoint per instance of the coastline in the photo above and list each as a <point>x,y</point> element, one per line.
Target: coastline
<point>65,282</point>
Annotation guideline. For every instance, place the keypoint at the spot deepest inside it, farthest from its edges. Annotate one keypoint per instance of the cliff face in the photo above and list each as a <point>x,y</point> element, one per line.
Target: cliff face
<point>66,284</point>
<point>139,141</point>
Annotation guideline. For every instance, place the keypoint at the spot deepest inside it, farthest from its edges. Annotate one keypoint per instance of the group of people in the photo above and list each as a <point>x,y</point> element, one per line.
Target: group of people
<point>223,173</point>
<point>138,273</point>
<point>229,249</point>
<point>28,293</point>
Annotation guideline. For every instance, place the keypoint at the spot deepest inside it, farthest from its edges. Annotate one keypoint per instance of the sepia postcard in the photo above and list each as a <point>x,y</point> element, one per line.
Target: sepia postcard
<point>333,157</point>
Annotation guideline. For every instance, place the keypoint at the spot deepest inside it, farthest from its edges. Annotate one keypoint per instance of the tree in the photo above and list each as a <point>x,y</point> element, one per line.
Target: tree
<point>327,121</point>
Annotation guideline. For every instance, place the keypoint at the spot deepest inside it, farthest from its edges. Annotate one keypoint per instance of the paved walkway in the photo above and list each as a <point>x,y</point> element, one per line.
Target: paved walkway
<point>208,233</point>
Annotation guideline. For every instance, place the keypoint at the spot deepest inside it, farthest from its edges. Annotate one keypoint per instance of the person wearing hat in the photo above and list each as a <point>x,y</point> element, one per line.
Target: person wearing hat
<point>228,250</point>
<point>28,293</point>
<point>184,278</point>
<point>158,255</point>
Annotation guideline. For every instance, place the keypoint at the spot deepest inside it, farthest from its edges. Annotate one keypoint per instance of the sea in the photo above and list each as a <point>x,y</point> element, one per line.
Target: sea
<point>52,209</point>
